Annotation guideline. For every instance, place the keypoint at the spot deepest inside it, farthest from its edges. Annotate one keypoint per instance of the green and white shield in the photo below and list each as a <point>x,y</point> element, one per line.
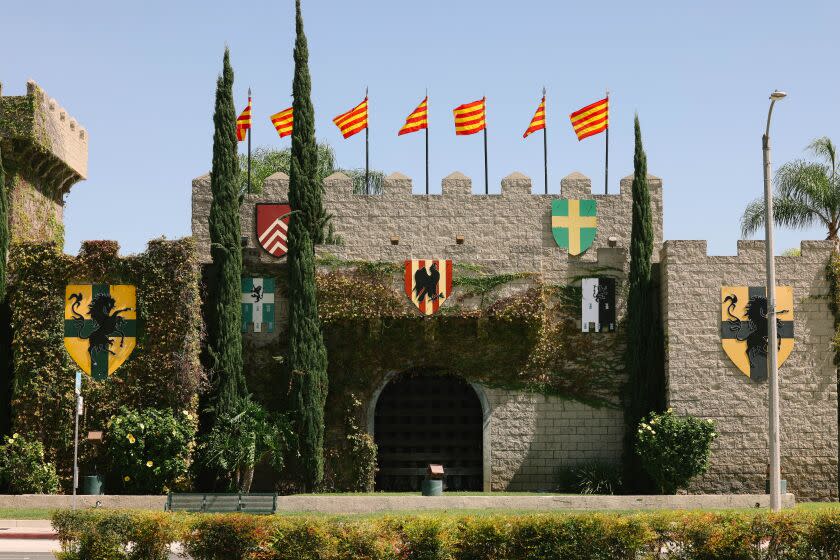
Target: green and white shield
<point>258,304</point>
<point>574,224</point>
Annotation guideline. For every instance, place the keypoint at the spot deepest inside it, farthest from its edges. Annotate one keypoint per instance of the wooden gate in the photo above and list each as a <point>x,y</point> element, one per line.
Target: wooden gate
<point>428,418</point>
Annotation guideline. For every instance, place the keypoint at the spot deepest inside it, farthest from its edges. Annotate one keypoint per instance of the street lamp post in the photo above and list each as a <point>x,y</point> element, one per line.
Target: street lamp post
<point>772,335</point>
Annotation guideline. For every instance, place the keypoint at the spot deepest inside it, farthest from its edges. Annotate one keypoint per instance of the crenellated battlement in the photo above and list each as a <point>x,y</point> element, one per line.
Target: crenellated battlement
<point>505,231</point>
<point>42,141</point>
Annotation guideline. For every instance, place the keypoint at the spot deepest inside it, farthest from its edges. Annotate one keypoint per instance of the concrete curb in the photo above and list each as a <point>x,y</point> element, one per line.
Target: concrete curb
<point>35,535</point>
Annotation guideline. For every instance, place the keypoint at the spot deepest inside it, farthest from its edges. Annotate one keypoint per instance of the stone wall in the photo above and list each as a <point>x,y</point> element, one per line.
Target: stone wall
<point>704,382</point>
<point>506,232</point>
<point>45,152</point>
<point>533,436</point>
<point>530,436</point>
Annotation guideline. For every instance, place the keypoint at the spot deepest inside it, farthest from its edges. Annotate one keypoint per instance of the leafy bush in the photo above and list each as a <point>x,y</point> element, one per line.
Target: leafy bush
<point>596,477</point>
<point>240,440</point>
<point>674,449</point>
<point>150,449</point>
<point>350,464</point>
<point>115,535</point>
<point>23,469</point>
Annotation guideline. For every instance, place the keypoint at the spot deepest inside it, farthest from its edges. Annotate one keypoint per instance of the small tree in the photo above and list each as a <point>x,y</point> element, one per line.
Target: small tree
<point>307,353</point>
<point>674,449</point>
<point>643,356</point>
<point>4,229</point>
<point>23,469</point>
<point>224,337</point>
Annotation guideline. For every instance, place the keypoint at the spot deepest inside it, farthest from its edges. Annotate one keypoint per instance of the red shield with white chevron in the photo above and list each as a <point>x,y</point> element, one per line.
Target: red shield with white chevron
<point>428,283</point>
<point>273,227</point>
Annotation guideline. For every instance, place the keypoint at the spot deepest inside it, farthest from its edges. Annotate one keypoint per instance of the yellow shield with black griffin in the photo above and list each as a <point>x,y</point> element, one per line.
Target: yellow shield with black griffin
<point>100,326</point>
<point>743,327</point>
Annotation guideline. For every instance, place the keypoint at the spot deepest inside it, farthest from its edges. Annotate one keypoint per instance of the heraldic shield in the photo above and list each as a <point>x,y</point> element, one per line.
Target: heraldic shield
<point>273,228</point>
<point>100,326</point>
<point>428,283</point>
<point>574,224</point>
<point>743,327</point>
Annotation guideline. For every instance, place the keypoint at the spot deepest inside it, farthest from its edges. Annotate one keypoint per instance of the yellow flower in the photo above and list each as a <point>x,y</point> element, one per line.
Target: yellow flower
<point>131,438</point>
<point>15,435</point>
<point>149,464</point>
<point>126,478</point>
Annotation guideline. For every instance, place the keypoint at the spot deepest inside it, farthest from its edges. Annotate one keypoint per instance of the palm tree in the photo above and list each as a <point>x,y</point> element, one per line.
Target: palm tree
<point>807,194</point>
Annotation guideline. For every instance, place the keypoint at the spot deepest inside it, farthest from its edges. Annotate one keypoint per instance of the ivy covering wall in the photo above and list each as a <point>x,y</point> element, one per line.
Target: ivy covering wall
<point>162,372</point>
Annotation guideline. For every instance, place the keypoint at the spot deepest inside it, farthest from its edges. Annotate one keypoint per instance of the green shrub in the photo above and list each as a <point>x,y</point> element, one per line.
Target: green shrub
<point>596,477</point>
<point>150,449</point>
<point>23,469</point>
<point>674,449</point>
<point>228,536</point>
<point>240,440</point>
<point>115,535</point>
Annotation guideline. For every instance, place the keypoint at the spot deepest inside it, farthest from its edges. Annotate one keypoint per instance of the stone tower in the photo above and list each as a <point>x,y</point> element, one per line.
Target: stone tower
<point>45,153</point>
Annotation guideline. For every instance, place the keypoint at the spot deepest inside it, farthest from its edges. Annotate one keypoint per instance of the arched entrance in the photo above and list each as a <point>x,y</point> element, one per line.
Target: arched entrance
<point>424,418</point>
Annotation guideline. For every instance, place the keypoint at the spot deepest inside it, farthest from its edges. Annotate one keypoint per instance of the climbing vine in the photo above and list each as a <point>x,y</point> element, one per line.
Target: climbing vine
<point>833,276</point>
<point>162,372</point>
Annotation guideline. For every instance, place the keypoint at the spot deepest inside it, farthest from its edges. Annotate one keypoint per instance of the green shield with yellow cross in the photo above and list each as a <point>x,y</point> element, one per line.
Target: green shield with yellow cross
<point>574,224</point>
<point>100,326</point>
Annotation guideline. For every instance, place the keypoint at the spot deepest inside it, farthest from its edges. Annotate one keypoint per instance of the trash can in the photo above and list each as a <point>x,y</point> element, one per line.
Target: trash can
<point>782,486</point>
<point>91,485</point>
<point>433,483</point>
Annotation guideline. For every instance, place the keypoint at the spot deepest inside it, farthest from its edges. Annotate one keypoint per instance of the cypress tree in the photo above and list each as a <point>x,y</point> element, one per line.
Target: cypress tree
<point>310,200</point>
<point>4,228</point>
<point>643,358</point>
<point>307,354</point>
<point>224,338</point>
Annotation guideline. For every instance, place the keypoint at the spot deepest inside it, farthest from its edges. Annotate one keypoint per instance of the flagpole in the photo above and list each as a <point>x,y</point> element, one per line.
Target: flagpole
<point>249,146</point>
<point>607,153</point>
<point>427,141</point>
<point>486,183</point>
<point>545,146</point>
<point>367,153</point>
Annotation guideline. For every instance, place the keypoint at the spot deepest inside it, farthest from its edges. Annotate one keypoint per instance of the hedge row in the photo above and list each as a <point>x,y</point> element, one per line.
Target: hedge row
<point>92,535</point>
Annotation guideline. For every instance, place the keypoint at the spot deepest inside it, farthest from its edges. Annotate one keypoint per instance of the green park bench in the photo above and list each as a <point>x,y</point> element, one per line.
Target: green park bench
<point>222,503</point>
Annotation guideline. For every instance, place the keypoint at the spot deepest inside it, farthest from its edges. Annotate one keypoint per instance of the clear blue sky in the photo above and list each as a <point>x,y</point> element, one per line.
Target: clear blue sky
<point>140,77</point>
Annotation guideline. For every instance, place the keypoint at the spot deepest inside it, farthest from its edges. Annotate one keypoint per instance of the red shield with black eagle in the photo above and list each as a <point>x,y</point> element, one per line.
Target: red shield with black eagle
<point>273,227</point>
<point>428,283</point>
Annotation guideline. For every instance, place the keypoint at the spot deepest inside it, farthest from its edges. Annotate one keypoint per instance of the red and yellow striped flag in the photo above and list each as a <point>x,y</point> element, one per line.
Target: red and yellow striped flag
<point>243,122</point>
<point>470,117</point>
<point>353,121</point>
<point>538,122</point>
<point>282,121</point>
<point>418,119</point>
<point>592,119</point>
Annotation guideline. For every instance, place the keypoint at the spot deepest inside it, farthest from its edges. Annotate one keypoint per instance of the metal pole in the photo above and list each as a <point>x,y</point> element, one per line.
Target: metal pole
<point>772,335</point>
<point>427,159</point>
<point>486,183</point>
<point>76,411</point>
<point>367,154</point>
<point>607,154</point>
<point>545,142</point>
<point>249,144</point>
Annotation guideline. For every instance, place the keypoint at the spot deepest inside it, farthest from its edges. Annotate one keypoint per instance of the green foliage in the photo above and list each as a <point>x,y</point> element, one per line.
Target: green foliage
<point>807,194</point>
<point>305,190</point>
<point>224,338</point>
<point>674,449</point>
<point>350,457</point>
<point>227,537</point>
<point>307,353</point>
<point>162,372</point>
<point>101,535</point>
<point>268,161</point>
<point>240,440</point>
<point>23,469</point>
<point>597,477</point>
<point>375,177</point>
<point>4,228</point>
<point>644,354</point>
<point>832,272</point>
<point>150,449</point>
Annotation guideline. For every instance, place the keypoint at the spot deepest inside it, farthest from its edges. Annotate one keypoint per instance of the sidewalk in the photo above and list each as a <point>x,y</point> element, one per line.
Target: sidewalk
<point>38,529</point>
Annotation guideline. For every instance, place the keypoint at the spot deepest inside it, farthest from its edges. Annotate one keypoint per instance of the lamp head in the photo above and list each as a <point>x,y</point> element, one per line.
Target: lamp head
<point>777,95</point>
